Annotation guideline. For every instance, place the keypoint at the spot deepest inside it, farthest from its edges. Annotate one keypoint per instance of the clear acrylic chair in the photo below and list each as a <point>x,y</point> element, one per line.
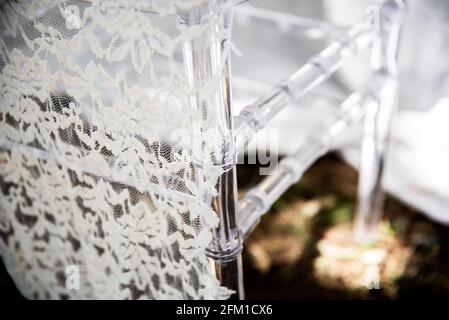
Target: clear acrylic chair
<point>119,141</point>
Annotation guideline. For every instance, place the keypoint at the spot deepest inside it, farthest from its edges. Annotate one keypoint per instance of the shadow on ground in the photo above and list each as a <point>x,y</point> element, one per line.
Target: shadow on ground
<point>303,248</point>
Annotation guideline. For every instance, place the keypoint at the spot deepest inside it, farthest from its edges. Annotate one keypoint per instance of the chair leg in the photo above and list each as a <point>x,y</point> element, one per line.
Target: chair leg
<point>206,60</point>
<point>226,247</point>
<point>378,119</point>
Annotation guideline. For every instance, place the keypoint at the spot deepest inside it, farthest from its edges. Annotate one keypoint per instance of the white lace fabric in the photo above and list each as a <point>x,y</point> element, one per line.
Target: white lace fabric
<point>90,95</point>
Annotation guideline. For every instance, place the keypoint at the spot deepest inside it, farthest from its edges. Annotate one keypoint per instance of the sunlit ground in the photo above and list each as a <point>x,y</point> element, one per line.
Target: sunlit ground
<point>304,248</point>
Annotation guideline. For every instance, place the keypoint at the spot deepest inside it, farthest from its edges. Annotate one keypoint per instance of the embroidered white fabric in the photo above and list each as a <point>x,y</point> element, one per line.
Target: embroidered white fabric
<point>91,179</point>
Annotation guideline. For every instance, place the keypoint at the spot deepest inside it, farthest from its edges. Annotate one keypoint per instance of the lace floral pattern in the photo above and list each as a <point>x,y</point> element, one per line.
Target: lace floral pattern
<point>91,92</point>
